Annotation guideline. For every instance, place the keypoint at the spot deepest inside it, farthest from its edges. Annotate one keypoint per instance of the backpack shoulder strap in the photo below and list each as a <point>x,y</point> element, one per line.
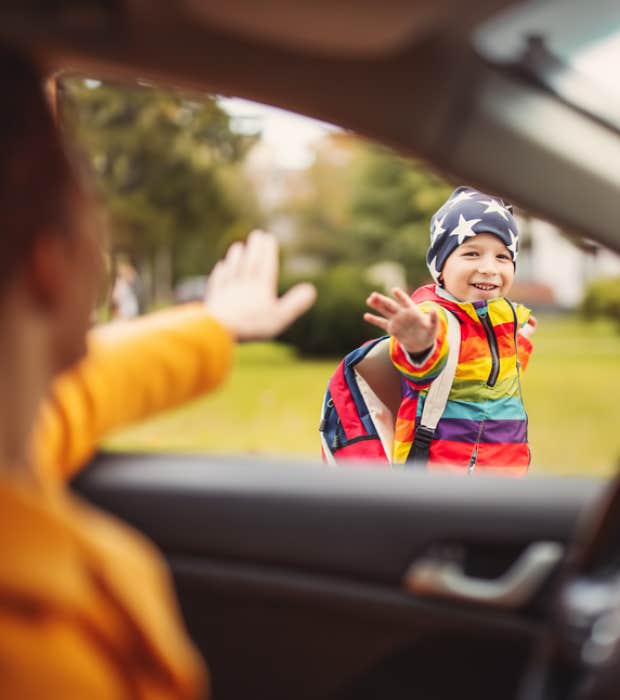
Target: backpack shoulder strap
<point>437,396</point>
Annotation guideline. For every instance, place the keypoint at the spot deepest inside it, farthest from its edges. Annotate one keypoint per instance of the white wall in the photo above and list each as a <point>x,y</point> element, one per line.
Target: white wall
<point>567,269</point>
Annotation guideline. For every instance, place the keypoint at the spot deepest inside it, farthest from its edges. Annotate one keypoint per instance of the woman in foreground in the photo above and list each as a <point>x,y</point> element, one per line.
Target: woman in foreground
<point>86,605</point>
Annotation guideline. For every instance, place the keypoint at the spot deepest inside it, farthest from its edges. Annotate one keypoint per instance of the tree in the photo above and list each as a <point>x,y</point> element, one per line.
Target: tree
<point>602,300</point>
<point>169,168</point>
<point>391,207</point>
<point>363,205</point>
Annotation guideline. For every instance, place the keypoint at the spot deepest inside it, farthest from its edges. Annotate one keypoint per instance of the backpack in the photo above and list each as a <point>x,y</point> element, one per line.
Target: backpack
<point>362,400</point>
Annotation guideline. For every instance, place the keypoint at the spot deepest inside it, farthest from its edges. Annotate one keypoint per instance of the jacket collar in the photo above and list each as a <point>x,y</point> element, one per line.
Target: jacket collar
<point>473,309</point>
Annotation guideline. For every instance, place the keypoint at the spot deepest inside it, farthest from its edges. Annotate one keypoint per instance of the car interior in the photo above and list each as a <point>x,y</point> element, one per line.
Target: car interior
<point>321,583</point>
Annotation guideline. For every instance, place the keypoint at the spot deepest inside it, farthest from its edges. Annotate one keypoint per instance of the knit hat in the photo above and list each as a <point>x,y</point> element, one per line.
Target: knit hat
<point>466,213</point>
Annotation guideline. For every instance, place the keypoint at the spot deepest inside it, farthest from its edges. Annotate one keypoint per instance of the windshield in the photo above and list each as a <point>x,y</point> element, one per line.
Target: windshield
<point>598,59</point>
<point>571,48</point>
<point>183,176</point>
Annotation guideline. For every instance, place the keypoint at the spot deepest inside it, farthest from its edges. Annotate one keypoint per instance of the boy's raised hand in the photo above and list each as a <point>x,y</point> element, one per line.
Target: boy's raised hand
<point>415,330</point>
<point>529,329</point>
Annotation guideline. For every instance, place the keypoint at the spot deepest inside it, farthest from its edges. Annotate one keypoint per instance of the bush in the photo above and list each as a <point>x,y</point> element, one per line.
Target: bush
<point>602,299</point>
<point>334,325</point>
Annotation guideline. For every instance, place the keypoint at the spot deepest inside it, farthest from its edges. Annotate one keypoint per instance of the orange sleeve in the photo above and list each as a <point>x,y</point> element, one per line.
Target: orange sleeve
<point>132,370</point>
<point>87,606</point>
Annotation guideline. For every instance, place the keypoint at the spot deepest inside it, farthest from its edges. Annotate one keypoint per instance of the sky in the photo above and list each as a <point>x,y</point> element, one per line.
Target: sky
<point>289,136</point>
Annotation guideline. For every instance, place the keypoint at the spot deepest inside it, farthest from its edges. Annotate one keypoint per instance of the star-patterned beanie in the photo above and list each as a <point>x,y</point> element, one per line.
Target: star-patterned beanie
<point>466,213</point>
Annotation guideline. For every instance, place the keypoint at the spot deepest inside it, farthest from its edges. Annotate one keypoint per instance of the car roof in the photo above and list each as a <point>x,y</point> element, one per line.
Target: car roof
<point>407,74</point>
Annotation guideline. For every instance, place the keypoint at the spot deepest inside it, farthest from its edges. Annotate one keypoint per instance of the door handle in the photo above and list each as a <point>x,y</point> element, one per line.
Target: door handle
<point>434,577</point>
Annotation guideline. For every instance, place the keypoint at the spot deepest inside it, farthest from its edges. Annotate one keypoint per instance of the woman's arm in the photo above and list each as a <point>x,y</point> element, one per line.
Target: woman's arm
<point>135,369</point>
<point>132,370</point>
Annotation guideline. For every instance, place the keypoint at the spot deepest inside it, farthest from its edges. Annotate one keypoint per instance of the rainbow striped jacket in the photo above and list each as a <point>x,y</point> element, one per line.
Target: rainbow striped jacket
<point>484,424</point>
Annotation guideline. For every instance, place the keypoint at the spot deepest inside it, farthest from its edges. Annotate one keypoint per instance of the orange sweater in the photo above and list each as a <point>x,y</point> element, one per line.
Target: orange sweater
<point>86,605</point>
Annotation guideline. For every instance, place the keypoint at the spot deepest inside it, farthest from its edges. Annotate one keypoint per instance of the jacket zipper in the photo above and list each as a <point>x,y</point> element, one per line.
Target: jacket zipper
<point>492,340</point>
<point>474,455</point>
<point>472,462</point>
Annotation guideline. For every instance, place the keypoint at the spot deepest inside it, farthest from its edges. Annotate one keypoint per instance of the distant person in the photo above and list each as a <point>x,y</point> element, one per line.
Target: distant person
<point>125,303</point>
<point>472,257</point>
<point>87,609</point>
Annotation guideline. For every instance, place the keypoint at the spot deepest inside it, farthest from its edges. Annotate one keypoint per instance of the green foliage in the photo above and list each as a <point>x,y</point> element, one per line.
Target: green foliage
<point>370,206</point>
<point>602,300</point>
<point>170,168</point>
<point>334,325</point>
<point>168,165</point>
<point>365,207</point>
<point>391,209</point>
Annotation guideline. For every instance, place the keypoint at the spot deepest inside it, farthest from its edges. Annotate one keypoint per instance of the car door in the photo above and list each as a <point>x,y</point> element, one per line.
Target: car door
<point>296,580</point>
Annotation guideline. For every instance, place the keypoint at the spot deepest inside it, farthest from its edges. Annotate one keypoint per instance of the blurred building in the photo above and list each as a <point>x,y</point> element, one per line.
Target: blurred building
<point>553,270</point>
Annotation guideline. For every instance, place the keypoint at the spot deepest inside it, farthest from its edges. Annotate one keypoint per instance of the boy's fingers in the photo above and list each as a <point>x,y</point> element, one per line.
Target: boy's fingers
<point>376,298</point>
<point>381,303</point>
<point>402,297</point>
<point>527,331</point>
<point>378,321</point>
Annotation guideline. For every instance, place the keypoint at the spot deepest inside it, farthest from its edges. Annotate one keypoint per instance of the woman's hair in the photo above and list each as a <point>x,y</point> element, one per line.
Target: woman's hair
<point>37,181</point>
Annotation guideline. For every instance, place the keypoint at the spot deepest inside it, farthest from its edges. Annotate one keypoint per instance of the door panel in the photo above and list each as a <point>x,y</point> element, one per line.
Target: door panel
<point>290,576</point>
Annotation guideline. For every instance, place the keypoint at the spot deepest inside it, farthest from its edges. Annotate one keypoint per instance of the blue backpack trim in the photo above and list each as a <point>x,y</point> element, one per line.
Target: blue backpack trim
<point>331,426</point>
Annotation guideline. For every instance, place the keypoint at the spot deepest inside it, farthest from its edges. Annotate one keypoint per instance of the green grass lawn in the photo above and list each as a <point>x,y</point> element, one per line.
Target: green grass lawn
<point>572,394</point>
<point>271,404</point>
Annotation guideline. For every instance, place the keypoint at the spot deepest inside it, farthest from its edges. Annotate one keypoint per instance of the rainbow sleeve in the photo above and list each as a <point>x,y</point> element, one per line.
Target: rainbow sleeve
<point>422,374</point>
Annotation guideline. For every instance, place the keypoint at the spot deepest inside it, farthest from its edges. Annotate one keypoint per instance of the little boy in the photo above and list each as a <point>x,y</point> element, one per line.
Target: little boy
<point>472,255</point>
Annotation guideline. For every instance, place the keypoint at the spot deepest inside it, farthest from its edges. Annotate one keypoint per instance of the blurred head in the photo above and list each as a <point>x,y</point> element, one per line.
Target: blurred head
<point>49,249</point>
<point>462,220</point>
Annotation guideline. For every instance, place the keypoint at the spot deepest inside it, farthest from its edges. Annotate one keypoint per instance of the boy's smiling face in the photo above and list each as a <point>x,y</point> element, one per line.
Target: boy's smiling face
<point>481,268</point>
